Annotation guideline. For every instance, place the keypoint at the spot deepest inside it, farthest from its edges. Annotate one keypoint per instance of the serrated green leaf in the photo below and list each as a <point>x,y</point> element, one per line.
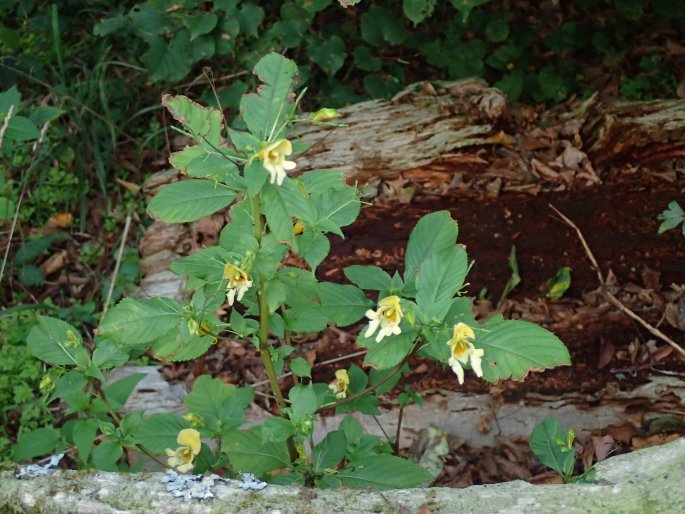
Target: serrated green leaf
<point>180,345</point>
<point>313,246</point>
<point>306,318</point>
<point>277,430</point>
<point>546,442</point>
<point>200,24</point>
<point>159,431</point>
<point>383,472</point>
<point>371,278</point>
<point>200,162</point>
<point>265,111</point>
<point>133,321</point>
<point>389,352</point>
<point>119,391</point>
<point>248,453</point>
<point>433,234</point>
<point>35,443</point>
<point>21,129</point>
<point>222,406</point>
<point>203,122</point>
<point>190,200</point>
<point>30,275</point>
<point>84,437</point>
<point>57,342</point>
<point>300,367</point>
<point>513,348</point>
<point>466,6</point>
<point>329,452</point>
<point>320,181</point>
<point>342,304</point>
<point>207,264</point>
<point>441,276</point>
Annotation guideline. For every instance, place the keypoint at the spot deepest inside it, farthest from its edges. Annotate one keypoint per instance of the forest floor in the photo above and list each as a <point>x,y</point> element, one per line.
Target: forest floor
<point>618,217</point>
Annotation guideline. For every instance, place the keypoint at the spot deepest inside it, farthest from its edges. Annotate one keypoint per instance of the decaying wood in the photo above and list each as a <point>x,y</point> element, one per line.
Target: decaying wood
<point>637,132</point>
<point>419,125</point>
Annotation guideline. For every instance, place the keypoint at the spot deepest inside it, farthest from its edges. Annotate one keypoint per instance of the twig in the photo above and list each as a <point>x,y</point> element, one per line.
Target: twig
<point>609,295</point>
<point>117,265</point>
<point>6,123</point>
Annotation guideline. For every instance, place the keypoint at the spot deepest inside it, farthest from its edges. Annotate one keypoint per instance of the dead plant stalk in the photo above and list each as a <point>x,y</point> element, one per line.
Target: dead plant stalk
<point>608,294</point>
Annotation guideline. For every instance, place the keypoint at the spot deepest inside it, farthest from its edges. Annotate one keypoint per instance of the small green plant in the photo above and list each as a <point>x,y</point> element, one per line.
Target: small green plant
<point>559,283</point>
<point>672,217</point>
<point>20,377</point>
<point>554,448</point>
<point>420,312</point>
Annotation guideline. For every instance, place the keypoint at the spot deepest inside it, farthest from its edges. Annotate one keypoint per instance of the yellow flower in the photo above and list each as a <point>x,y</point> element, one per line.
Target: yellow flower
<point>238,282</point>
<point>388,317</point>
<point>273,157</point>
<point>340,384</point>
<point>463,351</point>
<point>182,458</point>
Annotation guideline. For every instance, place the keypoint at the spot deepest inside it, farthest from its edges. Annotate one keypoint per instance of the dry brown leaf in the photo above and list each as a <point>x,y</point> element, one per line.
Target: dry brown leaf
<point>210,226</point>
<point>603,446</point>
<point>639,442</point>
<point>606,353</point>
<point>54,263</point>
<point>60,220</point>
<point>623,433</point>
<point>130,186</point>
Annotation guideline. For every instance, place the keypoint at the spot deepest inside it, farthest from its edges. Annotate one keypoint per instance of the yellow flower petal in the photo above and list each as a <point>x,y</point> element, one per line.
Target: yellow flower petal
<point>190,438</point>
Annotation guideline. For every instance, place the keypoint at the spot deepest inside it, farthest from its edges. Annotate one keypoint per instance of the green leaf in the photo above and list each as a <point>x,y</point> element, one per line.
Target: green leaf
<point>32,249</point>
<point>368,277</point>
<point>559,283</point>
<point>337,208</point>
<point>8,98</point>
<point>441,276</point>
<point>203,122</point>
<point>548,442</point>
<point>329,452</point>
<point>277,430</point>
<point>221,406</point>
<point>365,60</point>
<point>118,392</point>
<point>343,304</point>
<point>200,24</point>
<point>106,454</point>
<point>21,129</point>
<point>418,10</point>
<point>159,431</point>
<point>277,213</point>
<point>180,345</point>
<point>249,454</point>
<point>515,278</point>
<point>513,348</point>
<point>133,322</point>
<point>313,246</point>
<point>200,162</point>
<point>250,17</point>
<point>497,29</point>
<point>306,318</point>
<point>7,208</point>
<point>329,55</point>
<point>265,111</point>
<point>190,200</point>
<point>303,403</point>
<point>30,275</point>
<point>433,234</point>
<point>383,472</point>
<point>466,6</point>
<point>389,352</point>
<point>57,342</point>
<point>379,26</point>
<point>84,437</point>
<point>300,367</point>
<point>207,264</point>
<point>320,181</point>
<point>671,217</point>
<point>35,443</point>
<point>108,355</point>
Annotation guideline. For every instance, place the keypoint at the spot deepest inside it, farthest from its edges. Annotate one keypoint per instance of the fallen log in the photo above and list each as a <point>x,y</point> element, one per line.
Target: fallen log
<point>648,480</point>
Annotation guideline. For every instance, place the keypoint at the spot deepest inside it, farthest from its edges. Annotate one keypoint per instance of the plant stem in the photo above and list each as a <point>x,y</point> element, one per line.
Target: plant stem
<point>264,351</point>
<point>117,421</point>
<point>396,444</point>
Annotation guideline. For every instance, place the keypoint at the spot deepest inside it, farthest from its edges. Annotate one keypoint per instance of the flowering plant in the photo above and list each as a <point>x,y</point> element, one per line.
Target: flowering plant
<point>273,215</point>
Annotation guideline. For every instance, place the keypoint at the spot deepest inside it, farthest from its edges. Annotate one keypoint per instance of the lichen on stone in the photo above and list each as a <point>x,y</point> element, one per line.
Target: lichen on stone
<point>36,470</point>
